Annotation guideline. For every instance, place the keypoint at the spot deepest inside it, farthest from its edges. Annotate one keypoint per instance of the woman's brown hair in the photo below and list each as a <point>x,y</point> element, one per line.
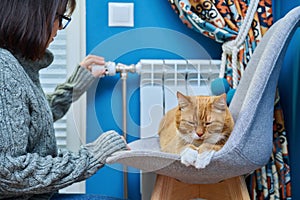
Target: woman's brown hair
<point>26,25</point>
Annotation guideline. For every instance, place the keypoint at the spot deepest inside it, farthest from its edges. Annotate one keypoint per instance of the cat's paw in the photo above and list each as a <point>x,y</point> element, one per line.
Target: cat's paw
<point>192,157</point>
<point>188,156</point>
<point>204,159</point>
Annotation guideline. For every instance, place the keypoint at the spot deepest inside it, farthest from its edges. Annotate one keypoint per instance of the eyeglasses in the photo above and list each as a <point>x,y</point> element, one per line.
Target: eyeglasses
<point>63,21</point>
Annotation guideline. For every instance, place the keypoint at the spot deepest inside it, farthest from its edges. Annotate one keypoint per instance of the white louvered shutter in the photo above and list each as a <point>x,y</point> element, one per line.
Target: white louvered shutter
<point>55,74</point>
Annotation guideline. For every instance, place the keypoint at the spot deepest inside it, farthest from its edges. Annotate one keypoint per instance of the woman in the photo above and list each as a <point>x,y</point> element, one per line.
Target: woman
<point>31,167</point>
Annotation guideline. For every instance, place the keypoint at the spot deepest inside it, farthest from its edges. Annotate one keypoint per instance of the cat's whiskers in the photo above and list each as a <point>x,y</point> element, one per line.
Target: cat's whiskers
<point>214,138</point>
<point>186,138</point>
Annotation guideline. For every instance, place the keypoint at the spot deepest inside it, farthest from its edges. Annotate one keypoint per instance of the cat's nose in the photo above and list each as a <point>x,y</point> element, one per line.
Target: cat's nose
<point>200,134</point>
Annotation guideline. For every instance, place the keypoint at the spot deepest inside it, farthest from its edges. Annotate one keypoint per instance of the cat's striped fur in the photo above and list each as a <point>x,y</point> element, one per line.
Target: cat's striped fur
<point>201,123</point>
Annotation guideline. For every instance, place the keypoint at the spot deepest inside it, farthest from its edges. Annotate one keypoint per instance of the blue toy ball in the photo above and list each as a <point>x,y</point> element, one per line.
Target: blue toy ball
<point>219,86</point>
<point>230,95</point>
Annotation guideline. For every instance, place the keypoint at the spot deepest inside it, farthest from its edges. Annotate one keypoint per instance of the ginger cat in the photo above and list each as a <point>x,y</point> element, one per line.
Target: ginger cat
<point>197,128</point>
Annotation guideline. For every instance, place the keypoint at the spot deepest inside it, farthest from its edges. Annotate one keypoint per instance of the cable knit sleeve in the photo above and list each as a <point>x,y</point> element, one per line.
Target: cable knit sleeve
<point>60,100</point>
<point>29,163</point>
<point>32,174</point>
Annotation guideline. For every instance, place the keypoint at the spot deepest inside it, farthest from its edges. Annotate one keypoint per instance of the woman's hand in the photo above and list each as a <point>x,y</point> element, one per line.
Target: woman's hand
<point>92,60</point>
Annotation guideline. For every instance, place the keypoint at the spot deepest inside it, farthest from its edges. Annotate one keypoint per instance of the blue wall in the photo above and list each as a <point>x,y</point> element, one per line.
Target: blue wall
<point>157,33</point>
<point>290,95</point>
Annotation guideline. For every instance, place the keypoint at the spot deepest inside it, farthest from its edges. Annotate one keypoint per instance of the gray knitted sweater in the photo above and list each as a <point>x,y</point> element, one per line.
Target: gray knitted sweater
<point>31,167</point>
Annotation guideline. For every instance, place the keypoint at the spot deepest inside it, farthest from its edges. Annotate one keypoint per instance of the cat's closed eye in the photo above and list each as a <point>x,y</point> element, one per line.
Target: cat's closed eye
<point>188,123</point>
<point>208,123</point>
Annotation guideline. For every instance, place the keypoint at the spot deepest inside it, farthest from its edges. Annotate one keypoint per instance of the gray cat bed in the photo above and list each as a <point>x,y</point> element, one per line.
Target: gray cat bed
<point>250,145</point>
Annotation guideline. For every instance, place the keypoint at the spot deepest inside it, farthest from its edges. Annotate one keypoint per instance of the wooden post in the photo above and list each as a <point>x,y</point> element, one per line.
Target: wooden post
<point>167,188</point>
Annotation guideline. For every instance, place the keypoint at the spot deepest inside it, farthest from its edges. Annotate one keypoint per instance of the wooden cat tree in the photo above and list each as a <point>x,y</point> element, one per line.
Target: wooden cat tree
<point>167,188</point>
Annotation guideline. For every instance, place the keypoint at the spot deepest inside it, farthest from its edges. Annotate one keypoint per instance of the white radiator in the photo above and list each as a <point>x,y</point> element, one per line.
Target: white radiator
<point>159,82</point>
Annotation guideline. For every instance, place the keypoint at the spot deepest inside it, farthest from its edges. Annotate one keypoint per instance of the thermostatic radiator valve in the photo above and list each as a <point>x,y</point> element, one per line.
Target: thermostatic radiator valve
<point>111,68</point>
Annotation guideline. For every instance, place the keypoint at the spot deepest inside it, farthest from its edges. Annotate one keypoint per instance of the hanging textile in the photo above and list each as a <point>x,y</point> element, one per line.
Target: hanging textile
<point>240,25</point>
<point>221,21</point>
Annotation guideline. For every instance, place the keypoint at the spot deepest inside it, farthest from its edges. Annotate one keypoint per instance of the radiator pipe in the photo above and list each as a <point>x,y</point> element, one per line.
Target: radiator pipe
<point>124,103</point>
<point>123,70</point>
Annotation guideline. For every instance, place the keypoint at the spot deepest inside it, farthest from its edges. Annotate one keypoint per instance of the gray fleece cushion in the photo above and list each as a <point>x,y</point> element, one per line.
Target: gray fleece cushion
<point>250,145</point>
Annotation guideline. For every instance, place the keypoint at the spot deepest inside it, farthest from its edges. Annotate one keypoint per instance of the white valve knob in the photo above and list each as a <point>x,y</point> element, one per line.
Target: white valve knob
<point>109,67</point>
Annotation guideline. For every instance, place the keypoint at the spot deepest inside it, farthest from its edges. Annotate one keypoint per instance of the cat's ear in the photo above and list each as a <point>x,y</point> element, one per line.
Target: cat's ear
<point>220,102</point>
<point>183,101</point>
